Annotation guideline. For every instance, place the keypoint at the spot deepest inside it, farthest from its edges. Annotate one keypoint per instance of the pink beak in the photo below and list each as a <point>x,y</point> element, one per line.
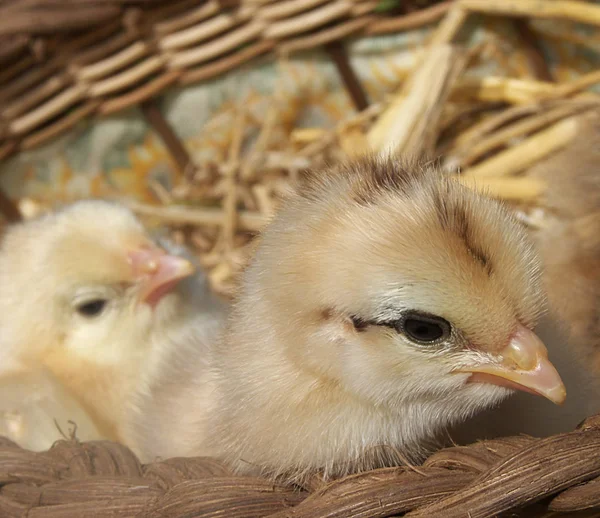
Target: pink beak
<point>157,272</point>
<point>522,365</point>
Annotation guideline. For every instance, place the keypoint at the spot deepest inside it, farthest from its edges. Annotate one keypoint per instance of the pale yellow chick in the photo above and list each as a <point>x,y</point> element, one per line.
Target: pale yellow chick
<point>569,241</point>
<point>384,303</point>
<point>90,309</point>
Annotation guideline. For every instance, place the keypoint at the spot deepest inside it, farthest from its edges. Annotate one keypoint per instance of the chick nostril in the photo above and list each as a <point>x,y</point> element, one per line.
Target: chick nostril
<point>525,350</point>
<point>145,260</point>
<point>518,354</point>
<point>151,266</point>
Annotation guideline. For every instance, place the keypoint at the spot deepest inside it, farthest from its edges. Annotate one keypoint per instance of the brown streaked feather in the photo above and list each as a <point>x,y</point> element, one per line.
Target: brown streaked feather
<point>369,176</point>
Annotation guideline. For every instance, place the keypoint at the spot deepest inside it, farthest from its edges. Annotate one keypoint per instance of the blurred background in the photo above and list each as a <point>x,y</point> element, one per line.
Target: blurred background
<point>202,114</point>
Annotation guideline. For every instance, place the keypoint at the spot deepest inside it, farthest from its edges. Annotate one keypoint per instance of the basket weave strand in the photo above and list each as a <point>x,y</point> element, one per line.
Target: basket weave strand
<point>555,476</point>
<point>64,60</point>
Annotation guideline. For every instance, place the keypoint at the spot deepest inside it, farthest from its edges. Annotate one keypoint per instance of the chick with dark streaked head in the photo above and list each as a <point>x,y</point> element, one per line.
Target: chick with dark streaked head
<point>89,299</point>
<point>385,302</point>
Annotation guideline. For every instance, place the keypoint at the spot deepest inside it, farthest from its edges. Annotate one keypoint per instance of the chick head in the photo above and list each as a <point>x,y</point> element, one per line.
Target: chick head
<point>86,280</point>
<point>405,288</point>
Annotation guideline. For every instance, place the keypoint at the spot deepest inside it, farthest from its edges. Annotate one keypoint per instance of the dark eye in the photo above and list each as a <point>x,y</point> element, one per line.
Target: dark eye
<point>92,308</point>
<point>425,329</point>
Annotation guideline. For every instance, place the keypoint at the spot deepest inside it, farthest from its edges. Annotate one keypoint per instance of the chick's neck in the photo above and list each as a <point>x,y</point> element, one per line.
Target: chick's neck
<point>108,389</point>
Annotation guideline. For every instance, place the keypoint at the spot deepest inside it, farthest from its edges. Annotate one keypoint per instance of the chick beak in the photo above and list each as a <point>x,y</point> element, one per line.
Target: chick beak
<point>157,272</point>
<point>523,365</point>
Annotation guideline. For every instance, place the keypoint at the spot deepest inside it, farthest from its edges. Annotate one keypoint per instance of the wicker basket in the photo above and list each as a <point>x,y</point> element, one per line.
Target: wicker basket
<point>69,60</point>
<point>517,476</point>
<point>66,60</point>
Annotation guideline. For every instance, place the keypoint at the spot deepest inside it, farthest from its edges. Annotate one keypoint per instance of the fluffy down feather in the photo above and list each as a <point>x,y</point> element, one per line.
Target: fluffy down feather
<point>91,309</point>
<point>376,297</point>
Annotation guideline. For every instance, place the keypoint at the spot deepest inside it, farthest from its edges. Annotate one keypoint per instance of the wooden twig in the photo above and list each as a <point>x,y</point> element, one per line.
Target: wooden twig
<point>264,199</point>
<point>575,86</point>
<point>455,115</point>
<point>409,21</point>
<point>449,26</point>
<point>231,172</point>
<point>267,127</point>
<point>410,124</point>
<point>502,89</point>
<point>163,195</point>
<point>167,134</point>
<point>529,152</point>
<point>473,152</point>
<point>9,209</point>
<point>533,51</point>
<point>354,142</point>
<point>337,52</point>
<point>442,35</point>
<point>522,189</point>
<point>303,136</point>
<point>185,215</point>
<point>486,126</point>
<point>562,34</point>
<point>327,138</point>
<point>562,9</point>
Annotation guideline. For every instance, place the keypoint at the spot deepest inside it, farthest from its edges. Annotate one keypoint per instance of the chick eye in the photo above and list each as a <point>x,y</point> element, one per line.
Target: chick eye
<point>92,308</point>
<point>424,328</point>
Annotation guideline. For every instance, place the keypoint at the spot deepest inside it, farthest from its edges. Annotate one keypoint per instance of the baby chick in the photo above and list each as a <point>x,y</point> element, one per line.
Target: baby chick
<point>384,303</point>
<point>569,242</point>
<point>90,308</point>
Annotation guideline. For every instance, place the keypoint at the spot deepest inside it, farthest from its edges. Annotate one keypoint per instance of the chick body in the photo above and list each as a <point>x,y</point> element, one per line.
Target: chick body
<point>327,363</point>
<point>72,323</point>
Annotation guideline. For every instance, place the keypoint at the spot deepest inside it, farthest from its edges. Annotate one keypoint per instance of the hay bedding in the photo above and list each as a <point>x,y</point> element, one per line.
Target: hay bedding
<point>493,129</point>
